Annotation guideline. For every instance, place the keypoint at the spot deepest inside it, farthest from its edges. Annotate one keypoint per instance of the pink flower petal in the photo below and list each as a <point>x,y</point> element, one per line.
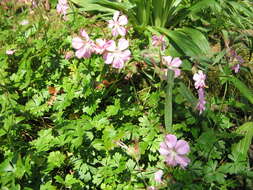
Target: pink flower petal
<point>158,176</point>
<point>121,31</point>
<point>170,140</point>
<point>116,16</point>
<point>170,160</point>
<point>177,72</point>
<point>176,62</point>
<point>109,58</point>
<point>164,150</point>
<point>84,34</point>
<point>118,63</point>
<point>199,79</point>
<point>110,23</point>
<point>80,52</point>
<point>125,55</point>
<point>111,46</point>
<point>167,60</point>
<point>236,68</point>
<point>123,44</point>
<point>115,31</point>
<point>123,20</point>
<point>182,147</point>
<point>77,43</point>
<point>183,161</point>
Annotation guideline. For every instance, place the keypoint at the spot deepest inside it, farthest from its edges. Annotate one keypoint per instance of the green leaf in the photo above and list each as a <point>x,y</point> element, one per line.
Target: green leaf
<point>241,148</point>
<point>45,140</point>
<point>198,38</point>
<point>90,5</point>
<point>114,109</point>
<point>181,42</point>
<point>187,94</point>
<point>47,186</point>
<point>55,159</point>
<point>245,91</point>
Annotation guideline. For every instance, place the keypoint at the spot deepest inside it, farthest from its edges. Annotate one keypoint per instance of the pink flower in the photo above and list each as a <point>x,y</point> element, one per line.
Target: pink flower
<point>199,84</point>
<point>173,64</point>
<point>101,45</point>
<point>233,56</point>
<point>84,47</point>
<point>10,52</point>
<point>24,22</point>
<point>117,23</point>
<point>159,41</point>
<point>199,79</point>
<point>158,176</point>
<point>117,56</point>
<point>175,151</point>
<point>62,7</point>
<point>201,103</point>
<point>236,68</point>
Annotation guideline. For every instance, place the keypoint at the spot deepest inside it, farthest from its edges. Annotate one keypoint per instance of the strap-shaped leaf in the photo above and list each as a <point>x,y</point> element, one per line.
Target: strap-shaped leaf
<point>241,148</point>
<point>245,91</point>
<point>198,38</point>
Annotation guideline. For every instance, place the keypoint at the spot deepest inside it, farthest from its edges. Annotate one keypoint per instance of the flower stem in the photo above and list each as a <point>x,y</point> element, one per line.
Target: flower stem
<point>168,101</point>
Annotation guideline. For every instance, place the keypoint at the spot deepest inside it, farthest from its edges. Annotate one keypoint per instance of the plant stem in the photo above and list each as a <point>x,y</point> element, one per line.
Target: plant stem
<point>168,101</point>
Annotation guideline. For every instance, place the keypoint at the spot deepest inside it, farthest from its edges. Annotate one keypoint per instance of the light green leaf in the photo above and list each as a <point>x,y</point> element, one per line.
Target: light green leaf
<point>241,148</point>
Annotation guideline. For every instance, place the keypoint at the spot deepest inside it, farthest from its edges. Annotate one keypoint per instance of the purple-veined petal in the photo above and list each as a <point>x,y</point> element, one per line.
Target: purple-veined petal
<point>125,55</point>
<point>111,46</point>
<point>121,31</point>
<point>118,63</point>
<point>123,44</point>
<point>115,31</point>
<point>88,52</point>
<point>77,43</point>
<point>170,140</point>
<point>109,58</point>
<point>176,62</point>
<point>182,147</point>
<point>170,160</point>
<point>80,52</point>
<point>164,150</point>
<point>183,161</point>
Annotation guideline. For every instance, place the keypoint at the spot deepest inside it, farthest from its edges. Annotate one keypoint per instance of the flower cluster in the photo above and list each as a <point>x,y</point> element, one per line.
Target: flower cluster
<point>115,53</point>
<point>84,45</point>
<point>62,8</point>
<point>10,52</point>
<point>159,41</point>
<point>235,56</point>
<point>199,84</point>
<point>175,152</point>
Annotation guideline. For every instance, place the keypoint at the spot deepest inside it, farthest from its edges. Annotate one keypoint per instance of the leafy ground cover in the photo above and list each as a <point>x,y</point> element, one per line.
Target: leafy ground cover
<point>145,98</point>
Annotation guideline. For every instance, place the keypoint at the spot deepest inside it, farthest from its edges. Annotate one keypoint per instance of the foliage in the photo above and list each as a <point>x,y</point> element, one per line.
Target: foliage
<point>61,120</point>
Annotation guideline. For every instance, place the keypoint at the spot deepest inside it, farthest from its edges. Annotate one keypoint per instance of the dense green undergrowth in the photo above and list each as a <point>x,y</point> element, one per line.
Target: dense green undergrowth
<point>61,119</point>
